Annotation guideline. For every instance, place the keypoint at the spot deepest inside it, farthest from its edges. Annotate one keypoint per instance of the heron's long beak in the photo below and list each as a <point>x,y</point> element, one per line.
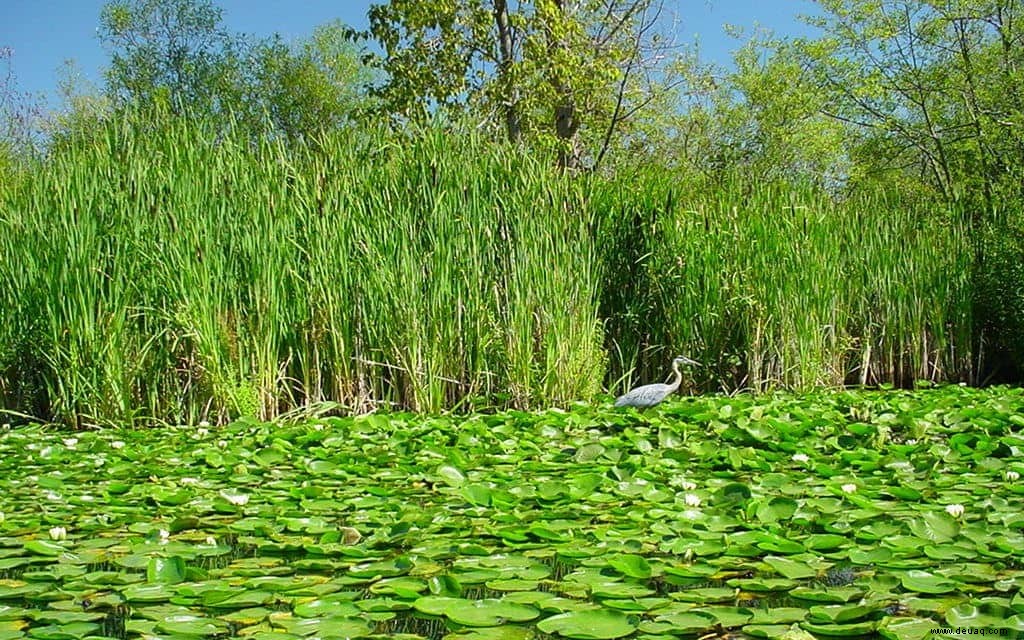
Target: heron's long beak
<point>686,360</point>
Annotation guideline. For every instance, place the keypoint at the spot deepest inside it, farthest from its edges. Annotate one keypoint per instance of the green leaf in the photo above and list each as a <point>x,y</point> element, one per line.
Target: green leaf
<point>44,548</point>
<point>488,612</point>
<point>168,570</point>
<point>590,625</point>
<point>925,582</point>
<point>190,625</point>
<point>630,565</point>
<point>451,475</point>
<point>477,494</point>
<point>906,628</point>
<point>988,615</point>
<point>935,526</point>
<point>790,568</point>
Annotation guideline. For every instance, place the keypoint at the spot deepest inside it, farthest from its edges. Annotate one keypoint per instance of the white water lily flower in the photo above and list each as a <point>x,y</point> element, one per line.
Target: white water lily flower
<point>165,535</point>
<point>955,510</point>
<point>222,443</point>
<point>849,487</point>
<point>683,484</point>
<point>691,500</point>
<point>52,495</point>
<point>117,444</point>
<point>1012,476</point>
<point>70,442</point>
<point>912,441</point>
<point>211,541</point>
<point>801,457</point>
<point>237,499</point>
<point>187,480</point>
<point>202,432</point>
<point>204,423</point>
<point>58,533</point>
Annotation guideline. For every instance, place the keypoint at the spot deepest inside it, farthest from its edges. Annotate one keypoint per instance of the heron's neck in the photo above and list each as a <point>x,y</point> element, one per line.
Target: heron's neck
<point>678,376</point>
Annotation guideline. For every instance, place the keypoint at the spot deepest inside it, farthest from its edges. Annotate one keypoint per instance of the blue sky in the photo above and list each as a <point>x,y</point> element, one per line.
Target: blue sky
<point>45,33</point>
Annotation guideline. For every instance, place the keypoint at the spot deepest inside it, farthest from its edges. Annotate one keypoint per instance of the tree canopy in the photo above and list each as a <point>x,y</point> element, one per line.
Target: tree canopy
<point>177,53</point>
<point>931,91</point>
<point>919,96</point>
<point>583,74</point>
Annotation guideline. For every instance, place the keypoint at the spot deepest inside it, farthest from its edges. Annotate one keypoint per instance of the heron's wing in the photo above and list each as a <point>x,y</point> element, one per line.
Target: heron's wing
<point>643,396</point>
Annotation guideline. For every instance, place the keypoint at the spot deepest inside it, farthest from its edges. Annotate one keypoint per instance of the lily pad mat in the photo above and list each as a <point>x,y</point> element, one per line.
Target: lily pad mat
<point>825,515</point>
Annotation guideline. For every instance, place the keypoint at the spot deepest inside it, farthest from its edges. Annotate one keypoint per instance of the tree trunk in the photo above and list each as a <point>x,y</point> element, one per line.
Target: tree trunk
<point>971,102</point>
<point>566,118</point>
<point>510,96</point>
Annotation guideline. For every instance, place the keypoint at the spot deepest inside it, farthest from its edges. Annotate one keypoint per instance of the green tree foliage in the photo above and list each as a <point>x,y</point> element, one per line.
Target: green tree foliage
<point>932,88</point>
<point>763,119</point>
<point>313,86</point>
<point>583,74</point>
<point>166,50</point>
<point>176,53</point>
<point>83,108</point>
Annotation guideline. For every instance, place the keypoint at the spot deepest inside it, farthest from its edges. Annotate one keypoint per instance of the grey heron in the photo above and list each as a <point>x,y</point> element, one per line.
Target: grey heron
<point>652,394</point>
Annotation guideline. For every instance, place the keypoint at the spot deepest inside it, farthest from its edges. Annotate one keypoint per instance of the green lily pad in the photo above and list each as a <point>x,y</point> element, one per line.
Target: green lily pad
<point>827,594</point>
<point>906,628</point>
<point>925,582</point>
<point>840,613</point>
<point>44,548</point>
<point>436,605</point>
<point>451,475</point>
<point>688,622</point>
<point>503,632</point>
<point>992,616</point>
<point>70,631</point>
<point>769,631</point>
<point>705,595</point>
<point>148,593</point>
<point>790,568</point>
<point>936,527</point>
<point>840,630</point>
<point>190,625</point>
<point>633,566</point>
<point>246,617</point>
<point>777,616</point>
<point>170,570</point>
<point>488,612</point>
<point>327,607</point>
<point>590,625</point>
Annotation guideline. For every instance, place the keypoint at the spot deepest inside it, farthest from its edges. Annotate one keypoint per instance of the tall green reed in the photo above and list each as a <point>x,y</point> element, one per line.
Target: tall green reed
<point>781,286</point>
<point>162,269</point>
<point>169,270</point>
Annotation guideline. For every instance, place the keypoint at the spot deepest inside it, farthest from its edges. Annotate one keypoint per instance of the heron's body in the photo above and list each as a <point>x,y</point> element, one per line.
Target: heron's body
<point>652,394</point>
